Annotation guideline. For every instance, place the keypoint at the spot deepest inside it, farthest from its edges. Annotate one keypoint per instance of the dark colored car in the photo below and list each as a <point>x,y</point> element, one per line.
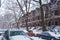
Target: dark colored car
<point>46,35</point>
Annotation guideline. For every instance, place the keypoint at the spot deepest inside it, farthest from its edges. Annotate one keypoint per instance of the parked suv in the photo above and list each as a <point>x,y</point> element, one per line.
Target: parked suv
<point>15,35</point>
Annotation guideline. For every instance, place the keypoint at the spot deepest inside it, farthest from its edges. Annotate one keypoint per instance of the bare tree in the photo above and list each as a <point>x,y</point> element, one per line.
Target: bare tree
<point>16,6</point>
<point>42,14</point>
<point>10,5</point>
<point>27,6</point>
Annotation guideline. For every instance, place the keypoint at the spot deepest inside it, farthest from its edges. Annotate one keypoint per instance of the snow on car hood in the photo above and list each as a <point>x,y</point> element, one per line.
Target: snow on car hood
<point>19,37</point>
<point>54,35</point>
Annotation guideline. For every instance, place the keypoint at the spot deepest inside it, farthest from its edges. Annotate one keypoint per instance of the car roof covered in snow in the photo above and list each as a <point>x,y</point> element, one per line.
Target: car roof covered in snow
<point>16,30</point>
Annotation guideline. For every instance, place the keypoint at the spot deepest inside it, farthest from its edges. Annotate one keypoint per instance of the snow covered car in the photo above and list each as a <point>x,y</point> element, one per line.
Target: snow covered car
<point>49,35</point>
<point>15,35</point>
<point>56,36</point>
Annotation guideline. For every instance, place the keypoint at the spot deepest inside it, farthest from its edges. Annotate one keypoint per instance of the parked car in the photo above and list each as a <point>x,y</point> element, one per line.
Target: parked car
<point>15,35</point>
<point>47,35</point>
<point>30,33</point>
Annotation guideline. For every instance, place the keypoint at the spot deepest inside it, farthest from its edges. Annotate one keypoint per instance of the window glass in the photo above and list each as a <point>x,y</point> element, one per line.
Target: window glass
<point>13,33</point>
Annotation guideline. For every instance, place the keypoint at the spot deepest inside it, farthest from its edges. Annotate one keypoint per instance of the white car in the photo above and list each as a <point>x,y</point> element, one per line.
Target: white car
<point>57,36</point>
<point>16,35</point>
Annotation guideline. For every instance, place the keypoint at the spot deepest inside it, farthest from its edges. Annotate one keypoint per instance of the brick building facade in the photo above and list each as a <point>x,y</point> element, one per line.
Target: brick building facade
<point>51,13</point>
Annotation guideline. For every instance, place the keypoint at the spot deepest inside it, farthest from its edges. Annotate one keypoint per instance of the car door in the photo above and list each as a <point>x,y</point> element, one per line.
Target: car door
<point>46,35</point>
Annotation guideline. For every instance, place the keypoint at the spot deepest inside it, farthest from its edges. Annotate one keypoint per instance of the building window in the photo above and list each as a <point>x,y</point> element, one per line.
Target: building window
<point>38,17</point>
<point>53,1</point>
<point>49,23</point>
<point>33,19</point>
<point>38,24</point>
<point>56,22</point>
<point>56,12</point>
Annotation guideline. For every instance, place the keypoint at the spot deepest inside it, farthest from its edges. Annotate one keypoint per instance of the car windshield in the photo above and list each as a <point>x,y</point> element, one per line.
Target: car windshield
<point>13,33</point>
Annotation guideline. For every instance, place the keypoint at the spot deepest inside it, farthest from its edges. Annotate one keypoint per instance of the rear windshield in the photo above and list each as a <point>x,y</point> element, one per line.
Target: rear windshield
<point>13,33</point>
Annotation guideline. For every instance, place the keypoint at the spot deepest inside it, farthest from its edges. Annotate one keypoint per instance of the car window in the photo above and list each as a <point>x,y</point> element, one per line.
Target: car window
<point>13,33</point>
<point>45,33</point>
<point>30,31</point>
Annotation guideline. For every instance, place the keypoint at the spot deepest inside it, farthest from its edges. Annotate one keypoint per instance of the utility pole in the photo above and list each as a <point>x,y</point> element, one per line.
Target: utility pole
<point>42,16</point>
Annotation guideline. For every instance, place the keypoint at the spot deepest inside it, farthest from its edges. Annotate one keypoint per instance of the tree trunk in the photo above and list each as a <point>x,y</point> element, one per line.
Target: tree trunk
<point>26,23</point>
<point>42,17</point>
<point>26,17</point>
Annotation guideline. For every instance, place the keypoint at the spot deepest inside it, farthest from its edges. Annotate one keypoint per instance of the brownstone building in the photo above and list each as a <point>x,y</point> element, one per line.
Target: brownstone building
<point>51,15</point>
<point>55,14</point>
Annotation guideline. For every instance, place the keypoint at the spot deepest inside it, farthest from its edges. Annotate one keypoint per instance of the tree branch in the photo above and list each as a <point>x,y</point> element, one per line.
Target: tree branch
<point>20,7</point>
